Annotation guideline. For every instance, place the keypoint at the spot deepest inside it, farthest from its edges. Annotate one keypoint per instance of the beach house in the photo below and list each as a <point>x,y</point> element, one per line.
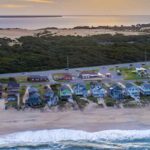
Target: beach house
<point>65,92</point>
<point>79,89</point>
<point>132,90</point>
<point>34,98</point>
<point>145,89</point>
<point>49,96</point>
<point>1,90</point>
<point>97,90</point>
<point>116,91</point>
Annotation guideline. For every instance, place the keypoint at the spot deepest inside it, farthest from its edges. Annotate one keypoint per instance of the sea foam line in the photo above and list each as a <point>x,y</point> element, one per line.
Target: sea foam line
<point>53,136</point>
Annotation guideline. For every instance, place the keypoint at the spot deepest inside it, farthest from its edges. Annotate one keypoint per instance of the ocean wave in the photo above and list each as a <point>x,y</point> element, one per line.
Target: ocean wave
<point>34,138</point>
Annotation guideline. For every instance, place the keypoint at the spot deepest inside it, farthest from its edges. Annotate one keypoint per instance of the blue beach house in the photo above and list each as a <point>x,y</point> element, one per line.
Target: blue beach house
<point>97,90</point>
<point>79,89</point>
<point>50,98</point>
<point>34,97</point>
<point>116,92</point>
<point>145,89</point>
<point>132,90</point>
<point>1,90</point>
<point>65,92</point>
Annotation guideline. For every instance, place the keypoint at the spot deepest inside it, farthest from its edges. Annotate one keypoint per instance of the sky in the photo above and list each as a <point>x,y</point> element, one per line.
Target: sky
<point>74,7</point>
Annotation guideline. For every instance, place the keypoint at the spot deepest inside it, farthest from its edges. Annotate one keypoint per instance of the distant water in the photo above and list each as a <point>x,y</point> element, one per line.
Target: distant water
<point>72,21</point>
<point>77,140</point>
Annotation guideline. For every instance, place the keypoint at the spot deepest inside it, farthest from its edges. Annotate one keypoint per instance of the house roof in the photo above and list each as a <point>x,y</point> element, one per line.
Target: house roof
<point>13,84</point>
<point>38,76</point>
<point>115,86</point>
<point>129,85</point>
<point>67,75</point>
<point>33,90</point>
<point>64,87</point>
<point>88,72</point>
<point>80,85</point>
<point>95,84</point>
<point>146,85</point>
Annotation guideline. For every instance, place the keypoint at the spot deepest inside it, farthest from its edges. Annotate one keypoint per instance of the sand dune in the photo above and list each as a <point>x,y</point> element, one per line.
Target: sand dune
<point>16,33</point>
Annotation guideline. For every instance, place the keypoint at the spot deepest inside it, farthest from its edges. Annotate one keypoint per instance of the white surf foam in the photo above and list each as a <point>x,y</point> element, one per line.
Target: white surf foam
<point>48,136</point>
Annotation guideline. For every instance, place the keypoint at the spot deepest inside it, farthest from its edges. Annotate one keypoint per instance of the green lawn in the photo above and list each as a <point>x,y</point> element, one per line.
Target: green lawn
<point>130,74</point>
<point>19,79</point>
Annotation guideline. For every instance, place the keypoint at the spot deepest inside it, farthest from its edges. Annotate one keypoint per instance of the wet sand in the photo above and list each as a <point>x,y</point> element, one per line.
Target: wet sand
<point>92,120</point>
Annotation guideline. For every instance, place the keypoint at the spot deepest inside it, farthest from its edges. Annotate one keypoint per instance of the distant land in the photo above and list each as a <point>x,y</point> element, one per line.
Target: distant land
<point>29,16</point>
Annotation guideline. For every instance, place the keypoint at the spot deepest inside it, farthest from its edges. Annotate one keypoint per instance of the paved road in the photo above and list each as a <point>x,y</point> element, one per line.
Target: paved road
<point>75,71</point>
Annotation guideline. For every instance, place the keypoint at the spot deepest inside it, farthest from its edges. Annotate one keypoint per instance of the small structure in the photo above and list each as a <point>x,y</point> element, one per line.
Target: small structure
<point>79,89</point>
<point>50,98</point>
<point>133,91</point>
<point>145,89</point>
<point>117,92</point>
<point>34,98</point>
<point>1,90</point>
<point>65,92</point>
<point>63,76</point>
<point>97,90</point>
<point>37,78</point>
<point>85,75</point>
<point>142,72</point>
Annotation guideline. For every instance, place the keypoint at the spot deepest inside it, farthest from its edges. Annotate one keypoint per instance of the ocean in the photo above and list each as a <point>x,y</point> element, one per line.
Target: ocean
<point>63,139</point>
<point>72,21</point>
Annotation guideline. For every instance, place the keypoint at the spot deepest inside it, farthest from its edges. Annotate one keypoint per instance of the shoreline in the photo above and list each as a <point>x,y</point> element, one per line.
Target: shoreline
<point>90,120</point>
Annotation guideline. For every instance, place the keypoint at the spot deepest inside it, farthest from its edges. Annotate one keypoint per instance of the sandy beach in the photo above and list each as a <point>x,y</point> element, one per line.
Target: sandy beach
<point>91,120</point>
<point>17,33</point>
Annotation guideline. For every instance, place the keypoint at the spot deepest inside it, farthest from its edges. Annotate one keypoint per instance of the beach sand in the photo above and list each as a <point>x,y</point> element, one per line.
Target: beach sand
<point>91,120</point>
<point>16,33</point>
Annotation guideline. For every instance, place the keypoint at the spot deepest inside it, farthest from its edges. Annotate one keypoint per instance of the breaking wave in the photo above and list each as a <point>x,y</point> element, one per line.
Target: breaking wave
<point>96,139</point>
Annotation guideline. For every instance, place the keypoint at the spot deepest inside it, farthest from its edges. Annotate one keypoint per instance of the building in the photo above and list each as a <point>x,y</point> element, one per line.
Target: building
<point>79,89</point>
<point>97,90</point>
<point>142,72</point>
<point>133,91</point>
<point>63,76</point>
<point>1,90</point>
<point>89,75</point>
<point>117,92</point>
<point>50,98</point>
<point>37,78</point>
<point>145,89</point>
<point>34,98</point>
<point>65,92</point>
<point>13,87</point>
<point>13,96</point>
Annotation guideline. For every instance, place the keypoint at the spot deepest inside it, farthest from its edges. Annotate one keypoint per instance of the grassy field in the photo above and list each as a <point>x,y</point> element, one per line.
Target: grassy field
<point>19,79</point>
<point>130,74</point>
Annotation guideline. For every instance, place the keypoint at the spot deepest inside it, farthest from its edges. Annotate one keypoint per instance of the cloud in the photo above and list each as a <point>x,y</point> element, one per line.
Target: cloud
<point>12,6</point>
<point>40,1</point>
